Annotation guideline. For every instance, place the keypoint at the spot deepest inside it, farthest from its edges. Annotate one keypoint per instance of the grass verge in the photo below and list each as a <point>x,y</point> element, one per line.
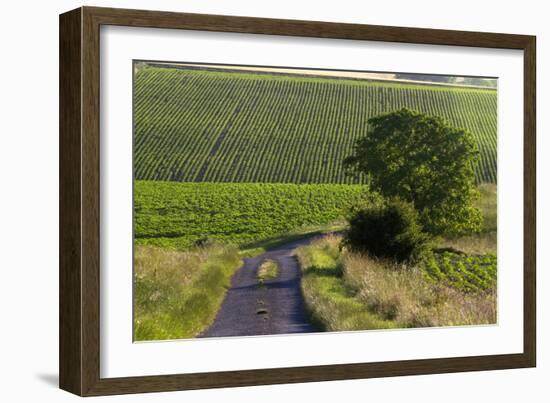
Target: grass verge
<point>330,301</point>
<point>347,291</point>
<point>407,296</point>
<point>178,294</point>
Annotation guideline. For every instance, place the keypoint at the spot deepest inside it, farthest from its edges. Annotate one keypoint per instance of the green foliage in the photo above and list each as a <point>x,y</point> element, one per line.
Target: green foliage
<point>389,231</point>
<point>467,273</point>
<point>424,160</point>
<point>220,126</point>
<point>331,302</point>
<point>485,241</point>
<point>179,215</point>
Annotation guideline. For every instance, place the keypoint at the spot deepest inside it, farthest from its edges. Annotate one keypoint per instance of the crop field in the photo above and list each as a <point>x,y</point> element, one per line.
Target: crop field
<point>219,126</point>
<point>179,215</point>
<point>465,272</point>
<point>234,171</point>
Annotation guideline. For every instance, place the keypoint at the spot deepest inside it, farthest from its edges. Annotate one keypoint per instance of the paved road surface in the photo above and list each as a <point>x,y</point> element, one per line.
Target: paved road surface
<point>276,307</point>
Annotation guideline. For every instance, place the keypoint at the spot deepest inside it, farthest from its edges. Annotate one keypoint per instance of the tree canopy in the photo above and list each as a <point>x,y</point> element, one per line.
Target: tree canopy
<point>425,161</point>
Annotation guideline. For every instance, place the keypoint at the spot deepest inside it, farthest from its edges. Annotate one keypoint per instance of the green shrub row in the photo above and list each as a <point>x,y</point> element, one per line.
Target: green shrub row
<point>179,215</point>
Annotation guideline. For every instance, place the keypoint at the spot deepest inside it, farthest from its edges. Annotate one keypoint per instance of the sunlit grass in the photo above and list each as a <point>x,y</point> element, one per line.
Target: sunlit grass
<point>178,294</point>
<point>268,270</point>
<point>406,296</point>
<point>330,302</point>
<point>348,291</point>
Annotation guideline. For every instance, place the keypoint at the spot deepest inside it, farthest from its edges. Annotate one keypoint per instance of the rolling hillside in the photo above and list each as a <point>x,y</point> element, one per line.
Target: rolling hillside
<point>220,126</point>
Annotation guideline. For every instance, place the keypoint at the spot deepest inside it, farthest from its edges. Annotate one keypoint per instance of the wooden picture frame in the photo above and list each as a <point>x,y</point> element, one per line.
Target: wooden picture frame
<point>79,346</point>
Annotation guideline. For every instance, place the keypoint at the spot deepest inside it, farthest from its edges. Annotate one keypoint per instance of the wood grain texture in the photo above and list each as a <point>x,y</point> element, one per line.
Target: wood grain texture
<point>316,29</point>
<point>90,201</point>
<point>530,202</point>
<point>70,274</point>
<point>80,200</point>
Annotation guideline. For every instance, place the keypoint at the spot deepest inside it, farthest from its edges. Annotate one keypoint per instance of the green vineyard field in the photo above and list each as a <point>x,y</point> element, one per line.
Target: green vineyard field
<point>177,215</point>
<point>220,126</point>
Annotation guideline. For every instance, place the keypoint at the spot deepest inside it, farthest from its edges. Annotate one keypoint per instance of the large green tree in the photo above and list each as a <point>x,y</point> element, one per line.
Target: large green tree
<point>424,160</point>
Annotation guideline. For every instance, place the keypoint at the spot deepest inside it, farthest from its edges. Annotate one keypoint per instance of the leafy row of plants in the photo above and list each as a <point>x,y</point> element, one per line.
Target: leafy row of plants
<point>180,215</point>
<point>465,272</point>
<point>213,126</point>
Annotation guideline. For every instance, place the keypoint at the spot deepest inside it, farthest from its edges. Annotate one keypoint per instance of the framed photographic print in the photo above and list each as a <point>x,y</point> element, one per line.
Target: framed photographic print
<point>249,201</point>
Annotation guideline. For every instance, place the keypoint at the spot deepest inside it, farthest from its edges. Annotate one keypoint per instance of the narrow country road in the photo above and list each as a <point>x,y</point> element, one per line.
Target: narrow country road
<point>276,307</point>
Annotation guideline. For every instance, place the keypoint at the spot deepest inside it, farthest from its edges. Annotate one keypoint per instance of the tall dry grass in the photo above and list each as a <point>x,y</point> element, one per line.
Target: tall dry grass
<point>330,302</point>
<point>177,294</point>
<point>349,291</point>
<point>407,297</point>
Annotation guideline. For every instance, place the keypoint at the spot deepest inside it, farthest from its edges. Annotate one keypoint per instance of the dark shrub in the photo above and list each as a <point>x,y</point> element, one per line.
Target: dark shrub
<point>389,231</point>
